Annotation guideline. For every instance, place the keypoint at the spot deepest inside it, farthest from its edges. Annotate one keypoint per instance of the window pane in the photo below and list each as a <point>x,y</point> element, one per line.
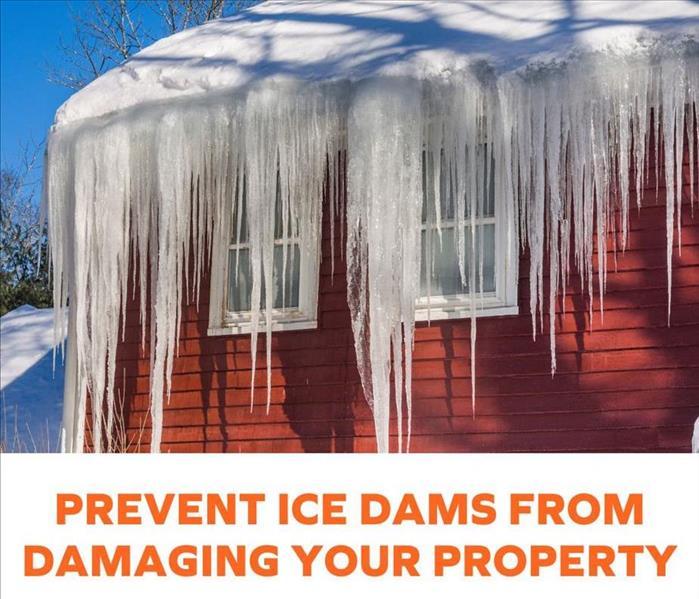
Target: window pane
<point>240,206</point>
<point>240,287</point>
<point>447,204</point>
<point>441,263</point>
<point>489,208</point>
<point>487,189</point>
<point>288,297</point>
<point>291,228</point>
<point>446,194</point>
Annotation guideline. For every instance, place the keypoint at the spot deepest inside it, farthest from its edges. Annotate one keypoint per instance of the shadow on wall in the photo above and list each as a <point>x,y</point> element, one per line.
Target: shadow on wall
<point>320,400</point>
<point>321,396</point>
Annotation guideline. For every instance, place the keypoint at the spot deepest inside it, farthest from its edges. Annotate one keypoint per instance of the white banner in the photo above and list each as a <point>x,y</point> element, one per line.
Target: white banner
<point>350,525</point>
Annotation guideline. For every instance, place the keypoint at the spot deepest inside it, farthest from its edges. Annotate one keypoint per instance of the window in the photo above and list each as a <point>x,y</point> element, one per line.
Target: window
<point>294,276</point>
<point>443,295</point>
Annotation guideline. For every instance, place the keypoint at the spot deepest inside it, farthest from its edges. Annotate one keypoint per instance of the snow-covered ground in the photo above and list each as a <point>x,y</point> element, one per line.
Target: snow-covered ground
<point>30,389</point>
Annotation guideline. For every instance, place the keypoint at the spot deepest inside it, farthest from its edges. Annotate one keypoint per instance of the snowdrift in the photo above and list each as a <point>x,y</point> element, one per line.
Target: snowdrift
<point>31,381</point>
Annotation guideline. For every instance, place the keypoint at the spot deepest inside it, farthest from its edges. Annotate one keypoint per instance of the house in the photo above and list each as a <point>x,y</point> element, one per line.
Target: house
<point>421,184</point>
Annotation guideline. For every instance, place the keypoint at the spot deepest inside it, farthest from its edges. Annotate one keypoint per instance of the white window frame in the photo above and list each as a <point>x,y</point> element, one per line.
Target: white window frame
<point>501,302</point>
<point>225,322</point>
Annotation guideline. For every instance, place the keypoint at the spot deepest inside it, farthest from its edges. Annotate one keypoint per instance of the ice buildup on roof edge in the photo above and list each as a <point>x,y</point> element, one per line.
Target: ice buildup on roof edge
<point>143,192</point>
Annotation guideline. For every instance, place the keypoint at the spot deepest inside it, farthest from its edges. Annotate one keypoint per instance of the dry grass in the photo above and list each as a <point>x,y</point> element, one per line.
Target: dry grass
<point>18,437</point>
<point>121,440</point>
<point>21,438</point>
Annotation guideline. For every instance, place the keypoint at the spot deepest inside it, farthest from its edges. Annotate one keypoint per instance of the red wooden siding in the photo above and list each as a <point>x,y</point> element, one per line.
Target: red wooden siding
<point>627,383</point>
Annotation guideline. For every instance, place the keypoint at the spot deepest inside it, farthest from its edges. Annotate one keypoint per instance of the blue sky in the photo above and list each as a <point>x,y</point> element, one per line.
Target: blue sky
<point>29,36</point>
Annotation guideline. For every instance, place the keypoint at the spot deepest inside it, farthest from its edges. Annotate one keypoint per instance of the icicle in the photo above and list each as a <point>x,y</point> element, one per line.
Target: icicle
<point>289,135</point>
<point>384,204</point>
<point>122,185</point>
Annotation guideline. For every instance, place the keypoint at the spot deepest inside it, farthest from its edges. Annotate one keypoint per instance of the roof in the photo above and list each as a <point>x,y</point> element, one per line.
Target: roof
<point>352,39</point>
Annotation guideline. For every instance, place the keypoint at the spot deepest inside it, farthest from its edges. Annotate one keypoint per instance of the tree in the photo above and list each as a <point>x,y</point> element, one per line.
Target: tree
<point>24,276</point>
<point>107,32</point>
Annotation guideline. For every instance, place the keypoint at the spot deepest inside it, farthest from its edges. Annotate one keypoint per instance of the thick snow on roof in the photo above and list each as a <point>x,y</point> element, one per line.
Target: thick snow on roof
<point>352,39</point>
<point>31,391</point>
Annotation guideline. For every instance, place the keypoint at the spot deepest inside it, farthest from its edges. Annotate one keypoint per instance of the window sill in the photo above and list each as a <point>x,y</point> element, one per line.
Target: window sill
<point>423,314</point>
<point>244,328</point>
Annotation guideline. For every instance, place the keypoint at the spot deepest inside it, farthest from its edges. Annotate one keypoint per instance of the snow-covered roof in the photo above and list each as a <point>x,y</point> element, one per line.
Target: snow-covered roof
<point>31,390</point>
<point>351,39</point>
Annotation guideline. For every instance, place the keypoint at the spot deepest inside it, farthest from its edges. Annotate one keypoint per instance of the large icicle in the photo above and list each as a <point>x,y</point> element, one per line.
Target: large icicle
<point>384,202</point>
<point>93,213</point>
<point>289,134</point>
